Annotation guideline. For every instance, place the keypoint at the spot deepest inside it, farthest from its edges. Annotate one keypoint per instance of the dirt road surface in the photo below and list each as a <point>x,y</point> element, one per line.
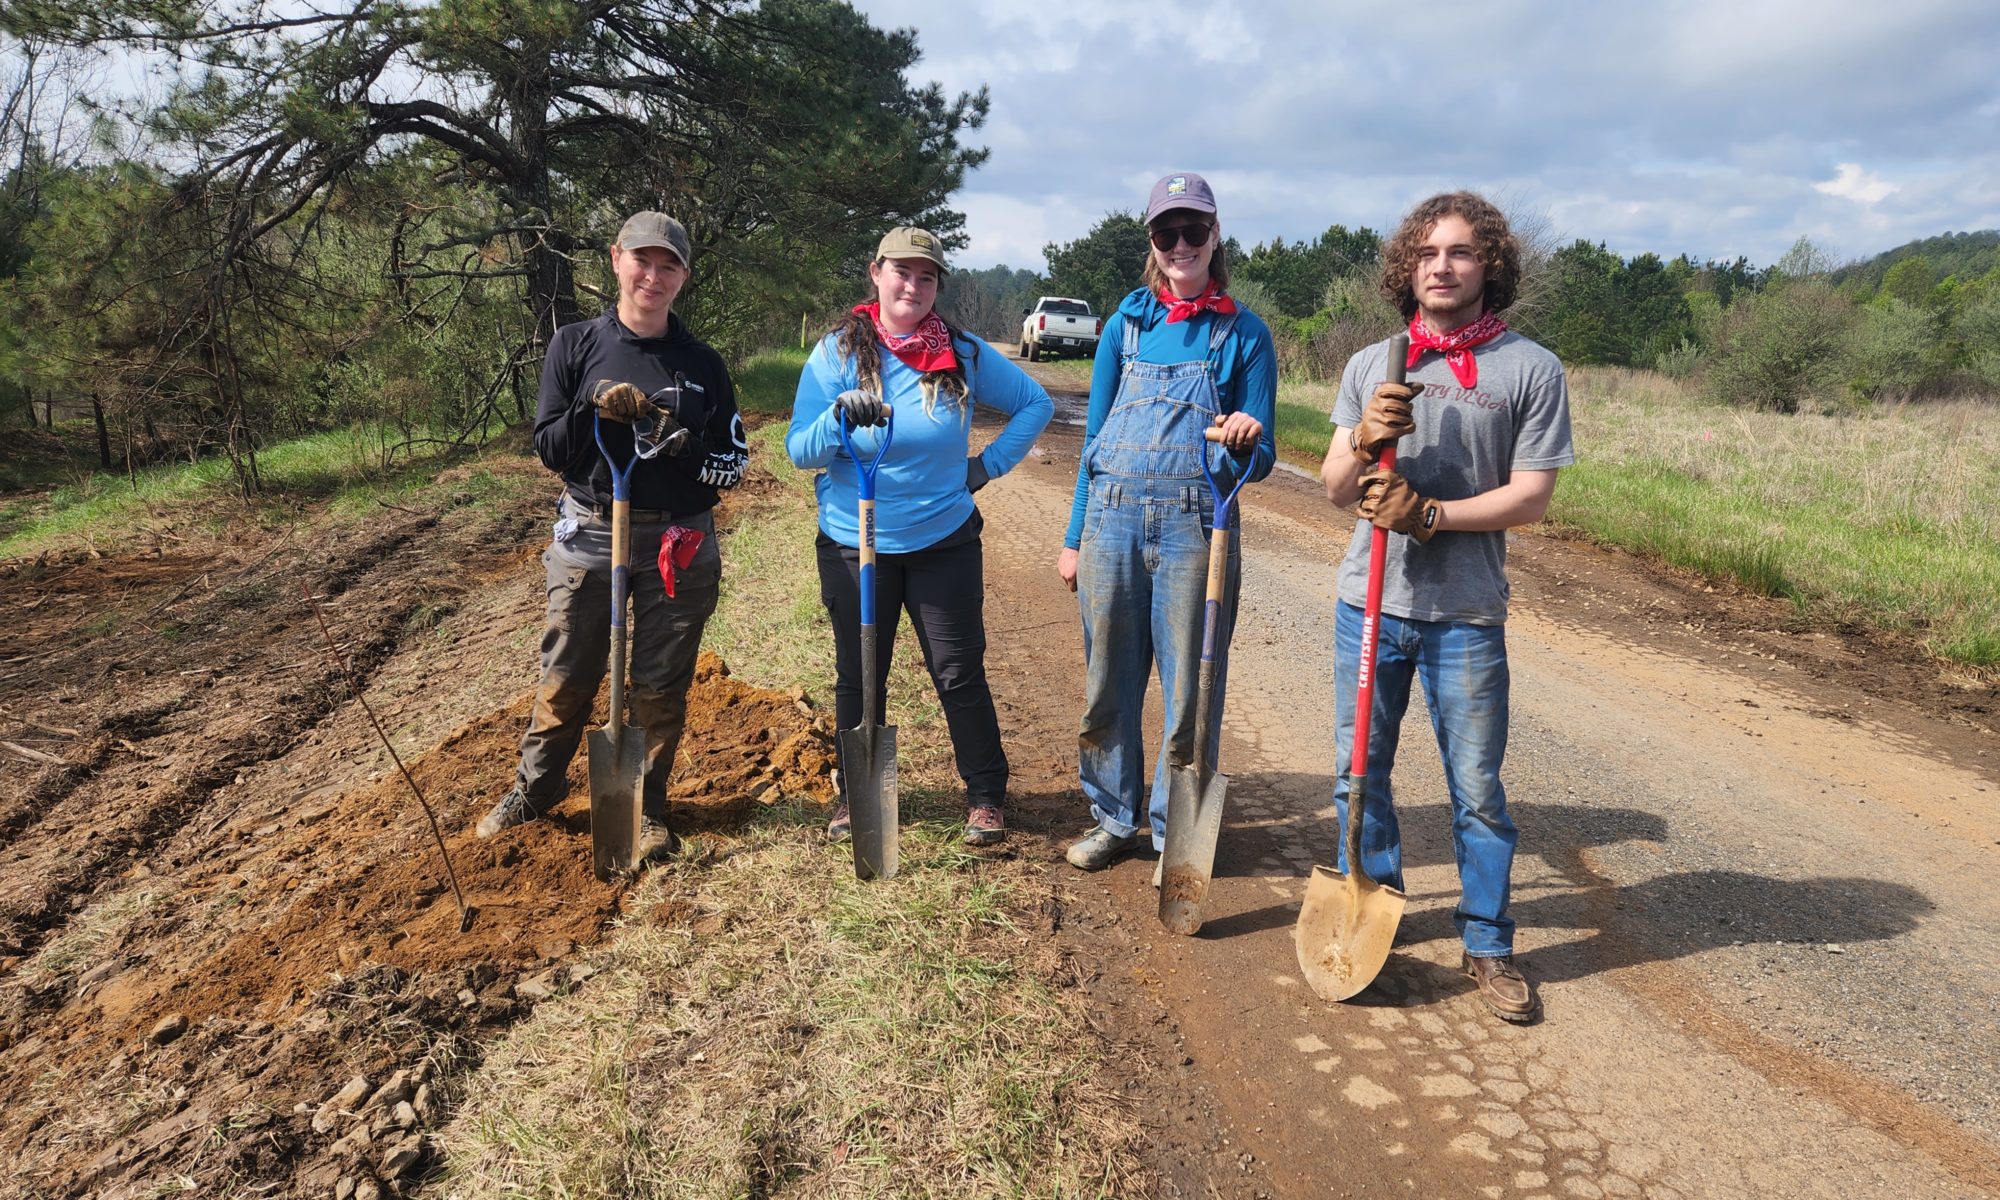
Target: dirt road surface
<point>1754,886</point>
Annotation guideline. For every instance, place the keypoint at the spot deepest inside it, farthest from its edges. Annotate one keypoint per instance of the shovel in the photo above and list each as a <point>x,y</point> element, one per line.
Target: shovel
<point>1348,922</point>
<point>868,751</point>
<point>1194,793</point>
<point>617,751</point>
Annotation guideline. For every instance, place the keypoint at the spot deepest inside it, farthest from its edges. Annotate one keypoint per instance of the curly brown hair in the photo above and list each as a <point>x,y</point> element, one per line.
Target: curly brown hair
<point>1499,250</point>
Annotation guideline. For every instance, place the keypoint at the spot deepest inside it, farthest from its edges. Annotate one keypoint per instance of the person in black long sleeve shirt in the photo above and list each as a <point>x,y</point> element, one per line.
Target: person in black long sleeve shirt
<point>640,342</point>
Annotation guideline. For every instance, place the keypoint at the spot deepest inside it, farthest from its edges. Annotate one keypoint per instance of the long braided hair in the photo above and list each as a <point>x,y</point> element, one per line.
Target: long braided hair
<point>857,341</point>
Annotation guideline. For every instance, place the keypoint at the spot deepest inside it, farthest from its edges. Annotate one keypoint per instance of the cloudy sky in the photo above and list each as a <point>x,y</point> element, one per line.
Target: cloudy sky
<point>1714,127</point>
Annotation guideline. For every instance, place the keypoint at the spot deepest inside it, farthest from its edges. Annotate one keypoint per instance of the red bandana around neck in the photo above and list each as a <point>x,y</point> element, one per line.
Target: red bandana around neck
<point>1456,346</point>
<point>926,348</point>
<point>1210,300</point>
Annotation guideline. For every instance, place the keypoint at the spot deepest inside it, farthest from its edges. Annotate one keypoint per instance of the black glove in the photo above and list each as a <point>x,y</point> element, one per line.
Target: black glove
<point>975,474</point>
<point>862,409</point>
<point>658,433</point>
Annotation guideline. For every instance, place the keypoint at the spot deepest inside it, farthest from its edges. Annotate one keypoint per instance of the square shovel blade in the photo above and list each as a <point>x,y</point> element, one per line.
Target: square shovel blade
<point>868,765</point>
<point>1194,822</point>
<point>617,776</point>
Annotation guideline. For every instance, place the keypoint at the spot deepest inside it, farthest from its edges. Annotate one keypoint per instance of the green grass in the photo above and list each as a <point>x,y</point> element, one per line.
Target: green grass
<point>341,465</point>
<point>768,380</point>
<point>1885,518</point>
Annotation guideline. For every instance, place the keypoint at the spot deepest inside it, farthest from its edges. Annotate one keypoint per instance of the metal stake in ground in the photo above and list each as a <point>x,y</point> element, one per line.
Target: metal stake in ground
<point>617,751</point>
<point>1194,793</point>
<point>868,751</point>
<point>1348,922</point>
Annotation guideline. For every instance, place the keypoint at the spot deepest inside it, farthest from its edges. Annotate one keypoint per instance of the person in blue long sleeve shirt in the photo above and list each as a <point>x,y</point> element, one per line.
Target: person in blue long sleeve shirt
<point>1178,357</point>
<point>894,360</point>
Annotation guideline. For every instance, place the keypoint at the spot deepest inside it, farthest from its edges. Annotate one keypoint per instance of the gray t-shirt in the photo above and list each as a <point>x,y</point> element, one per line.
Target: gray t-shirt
<point>1467,441</point>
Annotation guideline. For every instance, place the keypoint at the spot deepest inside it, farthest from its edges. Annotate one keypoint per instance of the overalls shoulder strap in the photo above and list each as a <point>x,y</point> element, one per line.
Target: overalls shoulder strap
<point>1131,347</point>
<point>1223,324</point>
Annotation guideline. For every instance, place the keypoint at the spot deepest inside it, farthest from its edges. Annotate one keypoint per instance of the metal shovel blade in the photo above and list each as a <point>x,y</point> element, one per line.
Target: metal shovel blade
<point>1346,926</point>
<point>617,774</point>
<point>868,758</point>
<point>1194,822</point>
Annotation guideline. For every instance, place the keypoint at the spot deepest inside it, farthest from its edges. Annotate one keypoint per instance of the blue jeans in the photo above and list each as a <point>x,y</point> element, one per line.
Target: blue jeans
<point>1142,580</point>
<point>1464,672</point>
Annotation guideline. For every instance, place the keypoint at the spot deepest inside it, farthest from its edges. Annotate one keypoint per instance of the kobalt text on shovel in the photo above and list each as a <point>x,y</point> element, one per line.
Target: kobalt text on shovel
<point>1194,792</point>
<point>868,751</point>
<point>618,750</point>
<point>1348,921</point>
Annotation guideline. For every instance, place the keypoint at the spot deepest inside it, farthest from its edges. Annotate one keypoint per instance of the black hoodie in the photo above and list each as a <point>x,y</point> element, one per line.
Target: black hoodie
<point>586,352</point>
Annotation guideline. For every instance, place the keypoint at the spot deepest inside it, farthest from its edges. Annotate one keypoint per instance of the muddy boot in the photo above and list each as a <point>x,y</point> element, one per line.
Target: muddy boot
<point>839,827</point>
<point>1100,848</point>
<point>513,809</point>
<point>657,843</point>
<point>1502,986</point>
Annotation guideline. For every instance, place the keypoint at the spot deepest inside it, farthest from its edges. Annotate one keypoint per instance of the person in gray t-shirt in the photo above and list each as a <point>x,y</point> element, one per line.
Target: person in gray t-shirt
<point>1480,430</point>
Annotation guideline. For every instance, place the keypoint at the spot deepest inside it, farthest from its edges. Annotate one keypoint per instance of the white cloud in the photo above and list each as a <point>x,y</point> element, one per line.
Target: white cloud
<point>1701,126</point>
<point>1850,182</point>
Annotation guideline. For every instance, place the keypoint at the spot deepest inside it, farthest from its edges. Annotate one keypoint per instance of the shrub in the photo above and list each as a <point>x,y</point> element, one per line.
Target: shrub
<point>1782,350</point>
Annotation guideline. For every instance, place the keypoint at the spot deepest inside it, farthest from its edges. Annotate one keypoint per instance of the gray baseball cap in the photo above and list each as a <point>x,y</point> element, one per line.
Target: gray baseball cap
<point>656,229</point>
<point>1183,189</point>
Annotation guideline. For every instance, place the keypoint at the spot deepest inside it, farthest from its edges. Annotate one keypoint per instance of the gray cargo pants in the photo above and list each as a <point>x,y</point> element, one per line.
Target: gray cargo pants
<point>665,635</point>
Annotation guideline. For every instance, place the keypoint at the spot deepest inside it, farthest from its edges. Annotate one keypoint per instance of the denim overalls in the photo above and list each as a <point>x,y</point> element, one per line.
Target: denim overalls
<point>1142,577</point>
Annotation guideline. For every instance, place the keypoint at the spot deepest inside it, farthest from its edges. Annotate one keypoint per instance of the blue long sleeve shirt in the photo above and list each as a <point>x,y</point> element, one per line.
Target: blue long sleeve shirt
<point>920,492</point>
<point>1247,383</point>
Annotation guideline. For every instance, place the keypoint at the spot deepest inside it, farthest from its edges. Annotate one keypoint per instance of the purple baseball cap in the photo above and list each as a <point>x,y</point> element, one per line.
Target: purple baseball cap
<point>1183,189</point>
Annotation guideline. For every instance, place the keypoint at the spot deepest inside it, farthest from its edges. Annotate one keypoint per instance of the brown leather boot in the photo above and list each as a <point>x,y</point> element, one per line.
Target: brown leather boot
<point>1502,986</point>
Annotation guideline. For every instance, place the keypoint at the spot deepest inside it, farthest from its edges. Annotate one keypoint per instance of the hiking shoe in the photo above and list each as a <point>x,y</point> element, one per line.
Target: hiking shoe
<point>512,810</point>
<point>985,825</point>
<point>657,843</point>
<point>839,826</point>
<point>1100,848</point>
<point>1502,986</point>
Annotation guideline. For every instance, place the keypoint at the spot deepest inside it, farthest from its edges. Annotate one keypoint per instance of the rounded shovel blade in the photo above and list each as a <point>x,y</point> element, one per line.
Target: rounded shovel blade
<point>1346,926</point>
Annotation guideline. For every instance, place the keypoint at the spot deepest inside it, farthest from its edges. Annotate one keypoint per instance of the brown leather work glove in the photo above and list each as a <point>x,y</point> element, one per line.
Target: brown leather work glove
<point>1389,502</point>
<point>620,401</point>
<point>1387,418</point>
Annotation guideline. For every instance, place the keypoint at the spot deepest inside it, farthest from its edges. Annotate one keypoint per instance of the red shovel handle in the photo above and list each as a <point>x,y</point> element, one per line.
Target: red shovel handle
<point>1371,617</point>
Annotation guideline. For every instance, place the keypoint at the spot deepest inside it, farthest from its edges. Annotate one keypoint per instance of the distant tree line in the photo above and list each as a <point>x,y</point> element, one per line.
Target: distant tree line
<point>1919,321</point>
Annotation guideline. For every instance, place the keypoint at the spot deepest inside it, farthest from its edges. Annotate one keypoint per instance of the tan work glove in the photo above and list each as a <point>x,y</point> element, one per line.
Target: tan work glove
<point>1389,502</point>
<point>620,401</point>
<point>1387,418</point>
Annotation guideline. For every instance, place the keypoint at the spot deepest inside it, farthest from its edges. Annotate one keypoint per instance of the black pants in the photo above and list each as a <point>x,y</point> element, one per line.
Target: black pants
<point>944,590</point>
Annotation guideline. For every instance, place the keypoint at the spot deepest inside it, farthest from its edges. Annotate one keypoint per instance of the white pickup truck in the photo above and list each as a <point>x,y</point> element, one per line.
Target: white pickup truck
<point>1057,323</point>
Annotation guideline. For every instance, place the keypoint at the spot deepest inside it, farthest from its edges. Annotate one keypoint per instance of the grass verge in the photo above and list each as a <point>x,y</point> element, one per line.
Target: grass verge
<point>767,1025</point>
<point>343,467</point>
<point>1883,518</point>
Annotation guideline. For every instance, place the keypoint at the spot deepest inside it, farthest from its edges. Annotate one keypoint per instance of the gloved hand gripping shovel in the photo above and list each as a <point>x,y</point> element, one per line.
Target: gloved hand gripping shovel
<point>1348,922</point>
<point>618,750</point>
<point>1194,793</point>
<point>868,751</point>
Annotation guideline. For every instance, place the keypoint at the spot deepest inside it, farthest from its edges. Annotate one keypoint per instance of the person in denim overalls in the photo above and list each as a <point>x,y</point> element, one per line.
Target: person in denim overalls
<point>1178,357</point>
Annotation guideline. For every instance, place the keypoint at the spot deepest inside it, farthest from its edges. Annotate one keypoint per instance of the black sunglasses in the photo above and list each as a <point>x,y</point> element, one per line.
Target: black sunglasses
<point>1164,237</point>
